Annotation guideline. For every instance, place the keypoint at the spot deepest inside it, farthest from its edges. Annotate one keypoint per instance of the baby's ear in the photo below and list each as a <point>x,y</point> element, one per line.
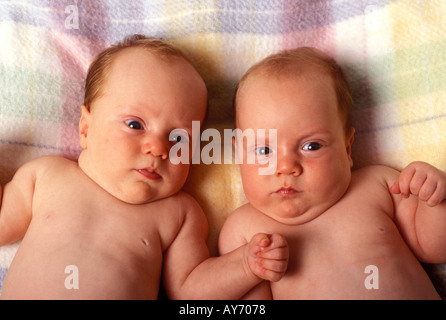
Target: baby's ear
<point>348,143</point>
<point>238,149</point>
<point>84,124</point>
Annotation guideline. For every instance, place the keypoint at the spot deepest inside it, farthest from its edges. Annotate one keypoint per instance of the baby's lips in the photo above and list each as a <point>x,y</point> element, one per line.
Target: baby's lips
<point>285,191</point>
<point>150,174</point>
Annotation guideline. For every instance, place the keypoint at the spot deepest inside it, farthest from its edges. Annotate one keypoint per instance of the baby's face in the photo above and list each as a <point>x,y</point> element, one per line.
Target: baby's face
<point>127,135</point>
<point>312,151</point>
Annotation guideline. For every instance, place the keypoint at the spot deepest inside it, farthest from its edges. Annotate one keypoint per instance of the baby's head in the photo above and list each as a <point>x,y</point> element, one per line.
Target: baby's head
<point>302,100</point>
<point>304,62</point>
<point>101,65</point>
<point>141,97</point>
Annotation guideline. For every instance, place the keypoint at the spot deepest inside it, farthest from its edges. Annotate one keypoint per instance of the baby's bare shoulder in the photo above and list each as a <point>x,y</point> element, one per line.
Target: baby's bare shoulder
<point>377,173</point>
<point>232,233</point>
<point>371,185</point>
<point>48,162</point>
<point>183,201</point>
<point>181,208</point>
<point>32,169</point>
<point>243,219</point>
<point>243,213</point>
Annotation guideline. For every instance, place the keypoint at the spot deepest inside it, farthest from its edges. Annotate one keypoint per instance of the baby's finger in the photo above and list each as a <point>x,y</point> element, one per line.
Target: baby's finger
<point>276,241</point>
<point>274,265</point>
<point>405,179</point>
<point>395,188</point>
<point>275,254</point>
<point>417,182</point>
<point>438,195</point>
<point>272,275</point>
<point>261,239</point>
<point>427,190</point>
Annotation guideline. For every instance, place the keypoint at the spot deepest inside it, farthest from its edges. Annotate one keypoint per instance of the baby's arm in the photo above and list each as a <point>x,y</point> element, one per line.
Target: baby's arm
<point>227,243</point>
<point>233,235</point>
<point>190,272</point>
<point>15,204</point>
<point>422,216</point>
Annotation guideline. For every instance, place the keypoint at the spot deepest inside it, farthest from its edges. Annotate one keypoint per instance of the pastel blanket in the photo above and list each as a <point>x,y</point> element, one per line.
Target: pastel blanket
<point>394,53</point>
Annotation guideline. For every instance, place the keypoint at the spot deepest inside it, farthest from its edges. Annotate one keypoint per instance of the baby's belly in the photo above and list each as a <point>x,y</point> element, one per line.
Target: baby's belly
<point>381,280</point>
<point>72,270</point>
<point>374,263</point>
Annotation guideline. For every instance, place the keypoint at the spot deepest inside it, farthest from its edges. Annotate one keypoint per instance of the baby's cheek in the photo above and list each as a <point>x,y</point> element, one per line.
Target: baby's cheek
<point>176,176</point>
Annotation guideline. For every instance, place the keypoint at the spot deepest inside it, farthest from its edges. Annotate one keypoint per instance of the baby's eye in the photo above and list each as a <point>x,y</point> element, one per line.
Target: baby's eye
<point>263,151</point>
<point>179,136</point>
<point>312,146</point>
<point>134,124</point>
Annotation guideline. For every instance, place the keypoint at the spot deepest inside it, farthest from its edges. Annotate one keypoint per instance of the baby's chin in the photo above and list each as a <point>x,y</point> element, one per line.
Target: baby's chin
<point>291,215</point>
<point>143,195</point>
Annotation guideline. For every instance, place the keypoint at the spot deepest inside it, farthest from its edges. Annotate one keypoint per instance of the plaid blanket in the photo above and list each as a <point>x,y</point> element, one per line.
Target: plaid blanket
<point>394,53</point>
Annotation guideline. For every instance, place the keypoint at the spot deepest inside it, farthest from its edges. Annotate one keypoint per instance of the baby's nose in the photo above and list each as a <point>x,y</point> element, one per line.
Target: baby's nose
<point>156,147</point>
<point>288,165</point>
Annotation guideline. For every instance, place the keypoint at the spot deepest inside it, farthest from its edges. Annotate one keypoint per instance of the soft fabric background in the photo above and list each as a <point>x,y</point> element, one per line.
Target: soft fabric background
<point>394,52</point>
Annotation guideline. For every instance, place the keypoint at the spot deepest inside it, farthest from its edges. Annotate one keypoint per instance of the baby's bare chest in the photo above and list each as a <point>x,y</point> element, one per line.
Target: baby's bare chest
<point>80,213</point>
<point>340,250</point>
<point>78,226</point>
<point>346,234</point>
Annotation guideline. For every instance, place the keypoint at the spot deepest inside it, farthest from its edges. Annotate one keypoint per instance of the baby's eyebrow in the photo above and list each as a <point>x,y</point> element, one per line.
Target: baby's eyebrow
<point>317,131</point>
<point>189,130</point>
<point>140,107</point>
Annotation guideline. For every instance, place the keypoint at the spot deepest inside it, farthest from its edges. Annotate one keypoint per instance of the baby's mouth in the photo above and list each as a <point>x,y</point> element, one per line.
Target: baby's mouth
<point>149,173</point>
<point>287,191</point>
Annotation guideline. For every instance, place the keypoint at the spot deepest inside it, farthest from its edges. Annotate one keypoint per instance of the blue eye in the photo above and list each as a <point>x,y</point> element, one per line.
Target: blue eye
<point>135,125</point>
<point>179,136</point>
<point>263,151</point>
<point>312,146</point>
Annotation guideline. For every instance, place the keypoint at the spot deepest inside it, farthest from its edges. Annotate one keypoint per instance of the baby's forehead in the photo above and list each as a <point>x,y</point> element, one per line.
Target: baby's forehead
<point>299,73</point>
<point>139,56</point>
<point>291,83</point>
<point>138,62</point>
<point>288,84</point>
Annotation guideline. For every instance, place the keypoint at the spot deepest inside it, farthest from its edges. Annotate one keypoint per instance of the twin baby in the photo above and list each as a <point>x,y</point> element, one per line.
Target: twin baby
<point>308,231</point>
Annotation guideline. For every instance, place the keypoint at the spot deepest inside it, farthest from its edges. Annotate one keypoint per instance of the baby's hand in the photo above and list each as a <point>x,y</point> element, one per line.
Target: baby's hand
<point>422,180</point>
<point>268,256</point>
